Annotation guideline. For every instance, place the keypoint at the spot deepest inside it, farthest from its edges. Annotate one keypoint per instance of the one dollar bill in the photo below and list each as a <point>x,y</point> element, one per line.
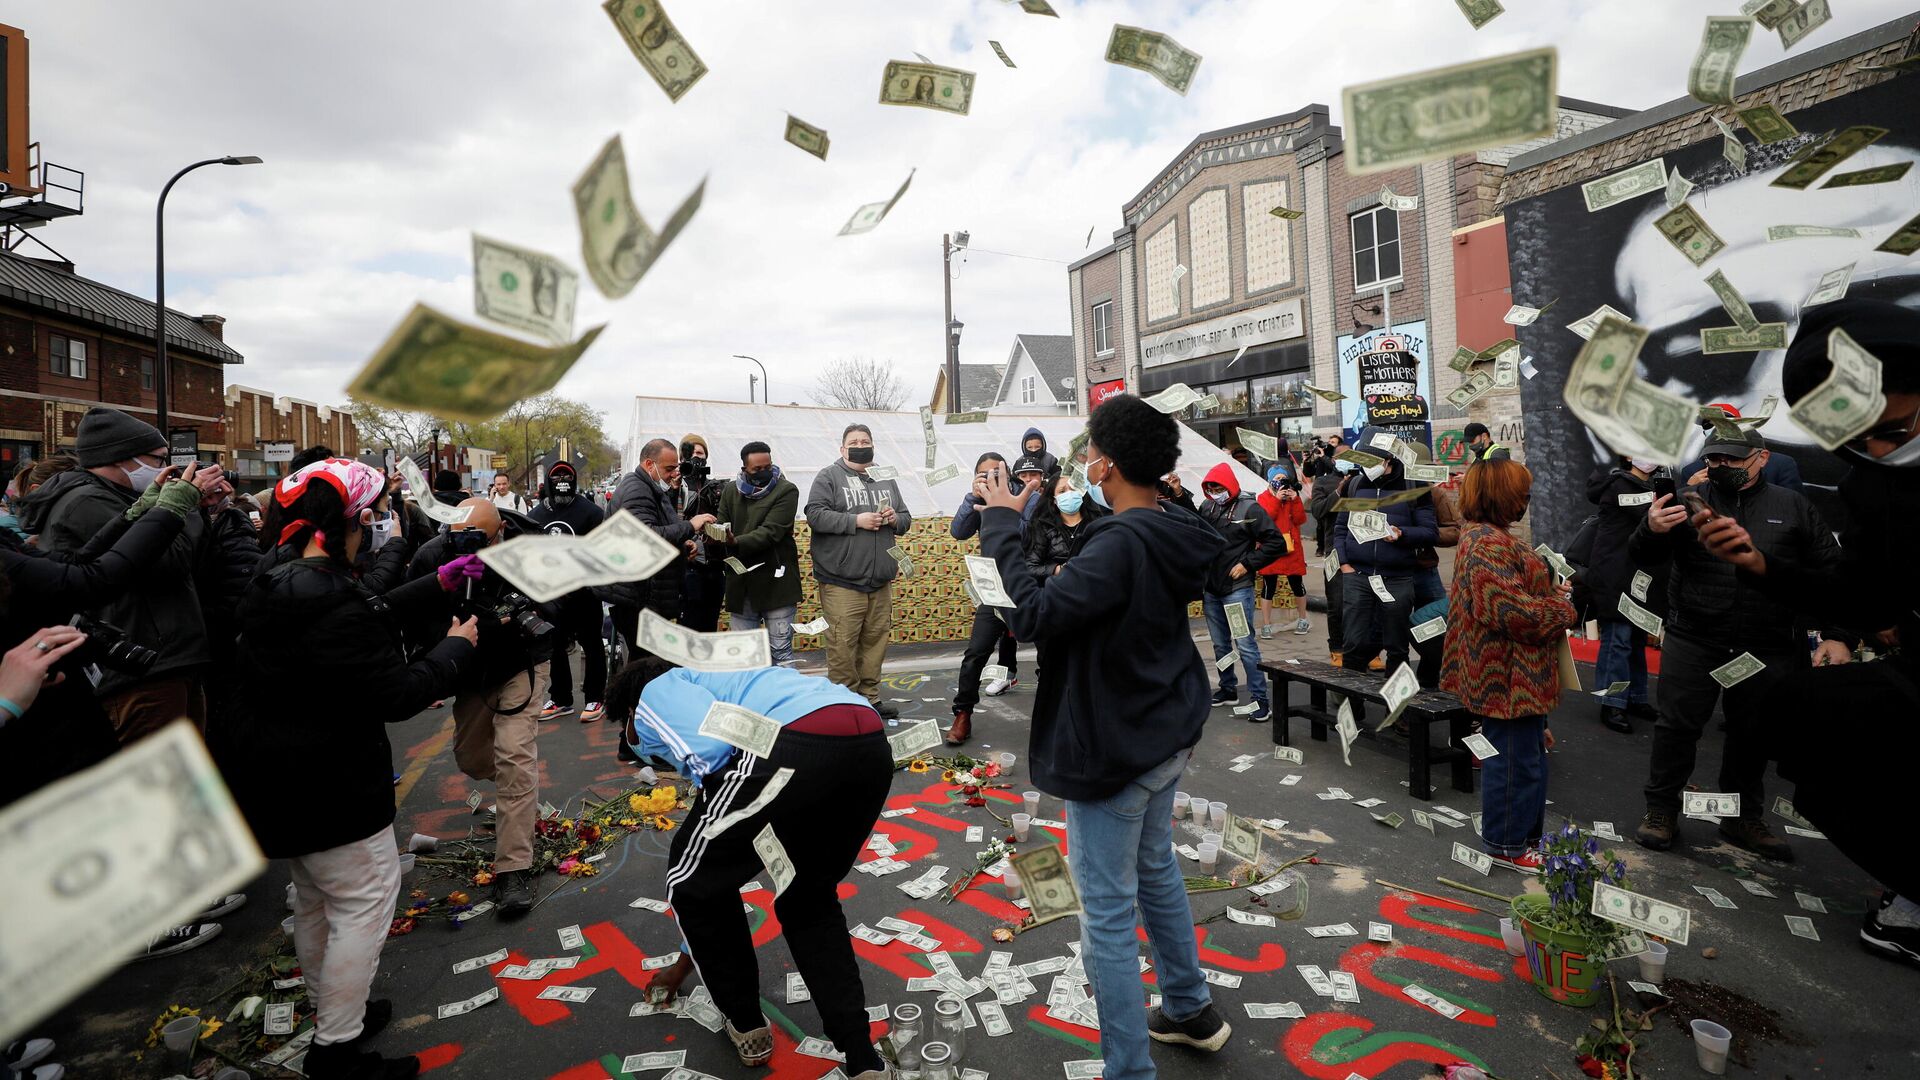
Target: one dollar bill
<point>807,137</point>
<point>657,44</point>
<point>1710,77</point>
<point>927,86</point>
<point>1451,110</point>
<point>524,289</point>
<point>1848,142</point>
<point>1642,913</point>
<point>548,566</point>
<point>1732,339</point>
<point>433,363</point>
<point>1154,53</point>
<point>616,243</point>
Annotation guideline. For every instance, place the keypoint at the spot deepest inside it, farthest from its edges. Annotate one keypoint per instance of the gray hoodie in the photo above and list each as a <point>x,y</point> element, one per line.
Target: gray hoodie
<point>844,554</point>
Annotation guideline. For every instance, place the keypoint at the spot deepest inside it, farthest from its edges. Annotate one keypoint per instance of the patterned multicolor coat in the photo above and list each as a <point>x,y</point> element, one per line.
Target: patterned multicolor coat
<point>1505,621</point>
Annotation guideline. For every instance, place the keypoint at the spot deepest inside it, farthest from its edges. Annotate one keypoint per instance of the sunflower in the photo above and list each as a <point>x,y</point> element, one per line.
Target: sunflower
<point>662,822</point>
<point>917,766</point>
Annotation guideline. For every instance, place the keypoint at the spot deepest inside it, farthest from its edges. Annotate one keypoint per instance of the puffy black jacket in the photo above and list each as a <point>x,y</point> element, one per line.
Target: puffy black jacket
<point>659,510</point>
<point>1419,527</point>
<point>1708,600</point>
<point>308,758</point>
<point>1251,539</point>
<point>228,561</point>
<point>1050,541</point>
<point>504,650</point>
<point>1609,572</point>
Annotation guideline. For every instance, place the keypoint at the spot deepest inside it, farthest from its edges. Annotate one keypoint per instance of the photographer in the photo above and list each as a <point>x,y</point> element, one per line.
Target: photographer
<point>496,711</point>
<point>564,513</point>
<point>324,674</point>
<point>705,580</point>
<point>119,457</point>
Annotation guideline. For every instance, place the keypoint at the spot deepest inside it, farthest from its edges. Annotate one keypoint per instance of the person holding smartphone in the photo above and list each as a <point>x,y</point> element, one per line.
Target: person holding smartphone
<point>1715,616</point>
<point>1621,496</point>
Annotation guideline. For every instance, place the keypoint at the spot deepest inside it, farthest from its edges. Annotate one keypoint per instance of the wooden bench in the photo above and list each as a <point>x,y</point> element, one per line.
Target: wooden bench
<point>1360,687</point>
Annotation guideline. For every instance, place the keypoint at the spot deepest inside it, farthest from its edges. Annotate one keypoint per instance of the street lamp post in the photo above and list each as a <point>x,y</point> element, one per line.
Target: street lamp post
<point>953,364</point>
<point>160,373</point>
<point>950,243</point>
<point>766,384</point>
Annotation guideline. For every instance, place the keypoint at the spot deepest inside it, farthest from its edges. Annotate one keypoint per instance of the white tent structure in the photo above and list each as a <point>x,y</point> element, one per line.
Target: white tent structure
<point>805,439</point>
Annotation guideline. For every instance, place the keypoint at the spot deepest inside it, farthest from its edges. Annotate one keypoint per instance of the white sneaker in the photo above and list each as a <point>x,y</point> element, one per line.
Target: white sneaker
<point>1303,627</point>
<point>997,687</point>
<point>180,939</point>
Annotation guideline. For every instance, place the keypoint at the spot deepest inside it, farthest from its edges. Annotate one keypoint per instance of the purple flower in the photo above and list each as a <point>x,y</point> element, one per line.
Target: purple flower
<point>1593,846</point>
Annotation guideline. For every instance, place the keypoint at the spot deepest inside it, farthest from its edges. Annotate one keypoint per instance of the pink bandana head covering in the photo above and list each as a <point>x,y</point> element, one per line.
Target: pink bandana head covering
<point>358,483</point>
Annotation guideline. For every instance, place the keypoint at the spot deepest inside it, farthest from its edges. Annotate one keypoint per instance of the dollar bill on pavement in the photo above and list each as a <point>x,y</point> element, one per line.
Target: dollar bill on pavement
<point>1480,12</point>
<point>1804,19</point>
<point>1275,1010</point>
<point>728,650</point>
<point>1345,987</point>
<point>1478,861</point>
<point>574,994</point>
<point>1801,926</point>
<point>807,137</point>
<point>1809,902</point>
<point>547,566</point>
<point>485,997</point>
<point>106,859</point>
<point>740,727</point>
<point>1757,889</point>
<point>435,363</point>
<point>657,44</point>
<point>1246,918</point>
<point>1425,115</point>
<point>1289,754</point>
<point>1432,1001</point>
<point>1738,670</point>
<point>657,1059</point>
<point>1048,883</point>
<point>1381,932</point>
<point>1849,400</point>
<point>571,938</point>
<point>797,987</point>
<point>1643,913</point>
<point>993,1017</point>
<point>927,86</point>
<point>479,962</point>
<point>1710,804</point>
<point>664,960</point>
<point>869,217</point>
<point>617,245</point>
<point>527,290</point>
<point>773,855</point>
<point>1843,145</point>
<point>1710,76</point>
<point>914,739</point>
<point>1616,188</point>
<point>1088,1069</point>
<point>278,1019</point>
<point>1317,979</point>
<point>1154,53</point>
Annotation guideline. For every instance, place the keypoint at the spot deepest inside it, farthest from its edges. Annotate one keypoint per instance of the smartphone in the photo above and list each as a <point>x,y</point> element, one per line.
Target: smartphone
<point>1663,484</point>
<point>1696,504</point>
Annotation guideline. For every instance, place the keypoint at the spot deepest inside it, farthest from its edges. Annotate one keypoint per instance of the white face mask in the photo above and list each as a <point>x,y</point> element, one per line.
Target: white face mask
<point>1375,472</point>
<point>143,474</point>
<point>1644,466</point>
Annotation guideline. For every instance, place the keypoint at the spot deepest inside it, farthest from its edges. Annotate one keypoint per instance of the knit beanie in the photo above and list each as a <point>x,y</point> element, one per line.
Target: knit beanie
<point>109,435</point>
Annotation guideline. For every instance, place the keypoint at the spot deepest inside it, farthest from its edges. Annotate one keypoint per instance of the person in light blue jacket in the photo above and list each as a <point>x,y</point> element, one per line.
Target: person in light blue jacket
<point>801,813</point>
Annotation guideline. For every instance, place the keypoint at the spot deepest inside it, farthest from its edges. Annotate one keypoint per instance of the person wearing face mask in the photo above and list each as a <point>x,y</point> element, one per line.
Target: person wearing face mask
<point>1283,504</point>
<point>704,585</point>
<point>323,674</point>
<point>1252,542</point>
<point>1377,575</point>
<point>1714,617</point>
<point>1852,783</point>
<point>1780,469</point>
<point>1480,441</point>
<point>989,630</point>
<point>562,512</point>
<point>857,522</point>
<point>652,493</point>
<point>1620,496</point>
<point>759,507</point>
<point>121,457</point>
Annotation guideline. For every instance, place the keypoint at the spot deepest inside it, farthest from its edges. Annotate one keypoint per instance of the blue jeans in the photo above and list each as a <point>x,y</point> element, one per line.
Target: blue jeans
<point>1513,785</point>
<point>1122,857</point>
<point>1622,658</point>
<point>779,624</point>
<point>1249,646</point>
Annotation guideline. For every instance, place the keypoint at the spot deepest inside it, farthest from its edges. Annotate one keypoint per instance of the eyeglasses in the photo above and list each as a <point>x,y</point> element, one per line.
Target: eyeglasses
<point>1896,433</point>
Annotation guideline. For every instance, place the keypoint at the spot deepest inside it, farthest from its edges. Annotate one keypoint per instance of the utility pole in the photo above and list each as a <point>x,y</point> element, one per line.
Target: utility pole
<point>946,331</point>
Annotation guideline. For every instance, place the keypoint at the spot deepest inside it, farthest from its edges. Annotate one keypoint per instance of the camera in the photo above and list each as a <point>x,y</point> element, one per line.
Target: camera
<point>492,601</point>
<point>467,541</point>
<point>694,471</point>
<point>106,647</point>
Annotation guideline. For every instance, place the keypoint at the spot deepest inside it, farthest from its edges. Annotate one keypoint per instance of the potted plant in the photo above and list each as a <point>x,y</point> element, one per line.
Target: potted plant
<point>1568,945</point>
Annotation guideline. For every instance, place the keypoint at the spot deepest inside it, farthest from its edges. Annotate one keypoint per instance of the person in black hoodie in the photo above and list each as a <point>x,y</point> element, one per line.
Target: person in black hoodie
<point>989,630</point>
<point>309,763</point>
<point>1377,575</point>
<point>561,511</point>
<point>1122,701</point>
<point>1622,494</point>
<point>1252,541</point>
<point>1034,445</point>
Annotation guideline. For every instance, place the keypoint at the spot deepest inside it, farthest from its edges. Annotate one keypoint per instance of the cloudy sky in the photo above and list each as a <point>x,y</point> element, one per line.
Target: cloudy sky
<point>392,130</point>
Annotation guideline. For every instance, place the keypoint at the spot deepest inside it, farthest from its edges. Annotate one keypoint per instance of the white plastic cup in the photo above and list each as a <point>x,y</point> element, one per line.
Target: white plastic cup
<point>1006,762</point>
<point>231,1073</point>
<point>406,863</point>
<point>1217,816</point>
<point>1653,963</point>
<point>1011,879</point>
<point>1021,823</point>
<point>1211,838</point>
<point>1182,802</point>
<point>1510,934</point>
<point>181,1034</point>
<point>286,926</point>
<point>1200,807</point>
<point>421,842</point>
<point>1710,1045</point>
<point>1209,857</point>
<point>1033,802</point>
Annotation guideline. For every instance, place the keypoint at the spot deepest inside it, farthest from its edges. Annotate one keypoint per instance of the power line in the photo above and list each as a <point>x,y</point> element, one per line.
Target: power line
<point>1011,255</point>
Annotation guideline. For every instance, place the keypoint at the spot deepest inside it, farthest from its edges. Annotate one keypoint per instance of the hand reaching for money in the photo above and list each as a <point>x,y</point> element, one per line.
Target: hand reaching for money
<point>1665,514</point>
<point>665,984</point>
<point>1727,540</point>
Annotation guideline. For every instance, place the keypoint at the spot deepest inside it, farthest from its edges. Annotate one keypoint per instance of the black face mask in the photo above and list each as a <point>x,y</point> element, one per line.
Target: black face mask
<point>860,455</point>
<point>1727,479</point>
<point>760,478</point>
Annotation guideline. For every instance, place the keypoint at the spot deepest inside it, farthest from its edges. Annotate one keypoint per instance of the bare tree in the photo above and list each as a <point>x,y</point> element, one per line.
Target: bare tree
<point>860,382</point>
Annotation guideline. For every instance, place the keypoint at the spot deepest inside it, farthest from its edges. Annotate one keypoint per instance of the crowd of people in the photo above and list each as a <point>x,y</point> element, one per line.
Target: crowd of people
<point>136,594</point>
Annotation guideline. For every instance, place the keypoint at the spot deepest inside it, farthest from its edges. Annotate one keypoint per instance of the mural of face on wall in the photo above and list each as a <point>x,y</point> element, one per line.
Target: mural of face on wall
<point>1557,250</point>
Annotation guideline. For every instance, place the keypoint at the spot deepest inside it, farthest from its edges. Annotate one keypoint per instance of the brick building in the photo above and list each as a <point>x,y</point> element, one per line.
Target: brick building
<point>255,417</point>
<point>1560,252</point>
<point>1200,270</point>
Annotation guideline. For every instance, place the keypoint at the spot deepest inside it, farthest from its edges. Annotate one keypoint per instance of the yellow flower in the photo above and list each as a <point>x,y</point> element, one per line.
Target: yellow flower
<point>663,823</point>
<point>917,767</point>
<point>946,777</point>
<point>637,804</point>
<point>663,799</point>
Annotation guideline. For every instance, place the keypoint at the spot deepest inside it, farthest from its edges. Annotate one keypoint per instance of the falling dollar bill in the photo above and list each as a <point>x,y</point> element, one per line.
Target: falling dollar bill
<point>1237,621</point>
<point>1156,54</point>
<point>1472,389</point>
<point>1398,202</point>
<point>1831,286</point>
<point>1766,123</point>
<point>1400,688</point>
<point>1446,111</point>
<point>1430,629</point>
<point>740,727</point>
<point>523,289</point>
<point>1905,240</point>
<point>1642,179</point>
<point>914,739</point>
<point>1584,328</point>
<point>869,217</point>
<point>547,566</point>
<point>1001,52</point>
<point>1849,400</point>
<point>1688,232</point>
<point>1810,232</point>
<point>616,243</point>
<point>1463,359</point>
<point>436,364</point>
<point>1768,13</point>
<point>1262,444</point>
<point>1348,729</point>
<point>1174,398</point>
<point>1481,746</point>
<point>1678,187</point>
<point>1642,913</point>
<point>728,650</point>
<point>807,137</point>
<point>1287,214</point>
<point>1881,174</point>
<point>1522,315</point>
<point>1480,12</point>
<point>1804,19</point>
<point>657,44</point>
<point>927,86</point>
<point>942,474</point>
<point>1630,415</point>
<point>1639,616</point>
<point>1731,299</point>
<point>1843,145</point>
<point>1241,839</point>
<point>1738,670</point>
<point>773,855</point>
<point>984,574</point>
<point>1366,526</point>
<point>1048,883</point>
<point>1710,77</point>
<point>1391,821</point>
<point>416,482</point>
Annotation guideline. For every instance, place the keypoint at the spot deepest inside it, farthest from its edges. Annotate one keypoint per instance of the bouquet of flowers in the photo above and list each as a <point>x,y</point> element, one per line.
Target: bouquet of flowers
<point>988,856</point>
<point>970,775</point>
<point>1572,862</point>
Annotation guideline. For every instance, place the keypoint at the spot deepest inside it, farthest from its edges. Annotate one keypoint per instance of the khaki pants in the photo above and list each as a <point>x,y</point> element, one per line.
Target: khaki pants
<point>139,711</point>
<point>857,627</point>
<point>342,906</point>
<point>491,742</point>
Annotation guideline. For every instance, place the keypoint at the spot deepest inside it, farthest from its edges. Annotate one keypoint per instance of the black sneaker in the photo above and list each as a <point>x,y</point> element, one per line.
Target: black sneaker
<point>886,710</point>
<point>378,1015</point>
<point>513,892</point>
<point>1893,942</point>
<point>179,940</point>
<point>1225,697</point>
<point>1640,710</point>
<point>1207,1031</point>
<point>346,1061</point>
